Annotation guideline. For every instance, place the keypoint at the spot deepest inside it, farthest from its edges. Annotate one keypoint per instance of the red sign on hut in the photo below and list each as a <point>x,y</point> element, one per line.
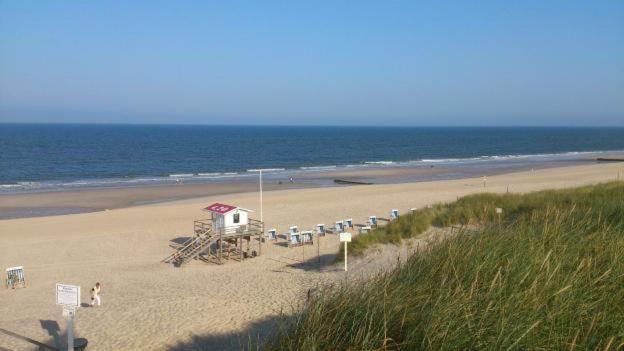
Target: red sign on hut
<point>220,208</point>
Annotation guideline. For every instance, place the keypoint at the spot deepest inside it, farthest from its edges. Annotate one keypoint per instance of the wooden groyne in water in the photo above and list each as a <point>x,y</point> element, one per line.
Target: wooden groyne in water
<point>604,159</point>
<point>350,182</point>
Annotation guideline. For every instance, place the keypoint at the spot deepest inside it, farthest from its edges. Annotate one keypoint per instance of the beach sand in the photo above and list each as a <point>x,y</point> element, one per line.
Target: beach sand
<point>148,305</point>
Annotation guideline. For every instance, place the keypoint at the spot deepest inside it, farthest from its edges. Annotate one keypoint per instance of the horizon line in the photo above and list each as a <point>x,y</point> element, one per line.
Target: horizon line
<point>307,125</point>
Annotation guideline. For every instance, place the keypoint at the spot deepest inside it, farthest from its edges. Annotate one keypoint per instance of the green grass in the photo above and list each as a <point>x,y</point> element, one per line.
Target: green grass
<point>549,275</point>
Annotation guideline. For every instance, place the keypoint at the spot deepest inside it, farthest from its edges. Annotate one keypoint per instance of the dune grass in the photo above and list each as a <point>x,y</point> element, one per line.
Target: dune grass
<point>548,275</point>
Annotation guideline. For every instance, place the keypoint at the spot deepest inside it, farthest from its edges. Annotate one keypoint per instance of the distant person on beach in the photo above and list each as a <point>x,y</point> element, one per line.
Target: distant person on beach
<point>95,295</point>
<point>291,180</point>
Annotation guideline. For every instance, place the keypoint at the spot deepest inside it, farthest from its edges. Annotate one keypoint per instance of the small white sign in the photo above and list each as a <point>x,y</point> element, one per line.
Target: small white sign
<point>345,237</point>
<point>67,295</point>
<point>499,210</point>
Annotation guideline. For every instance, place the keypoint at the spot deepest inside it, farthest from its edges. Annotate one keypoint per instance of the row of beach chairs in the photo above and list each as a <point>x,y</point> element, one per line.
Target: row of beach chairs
<point>295,237</point>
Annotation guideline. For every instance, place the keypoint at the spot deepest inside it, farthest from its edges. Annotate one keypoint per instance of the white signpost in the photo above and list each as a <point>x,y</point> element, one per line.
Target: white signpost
<point>345,238</point>
<point>68,296</point>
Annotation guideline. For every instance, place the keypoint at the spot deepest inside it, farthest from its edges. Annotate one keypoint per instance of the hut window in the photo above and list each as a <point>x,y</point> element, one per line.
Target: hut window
<point>237,218</point>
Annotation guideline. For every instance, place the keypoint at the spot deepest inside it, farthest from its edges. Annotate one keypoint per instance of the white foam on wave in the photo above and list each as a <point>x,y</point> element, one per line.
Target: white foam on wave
<point>27,186</point>
<point>181,175</point>
<point>266,169</point>
<point>317,168</point>
<point>379,162</point>
<point>509,157</point>
<point>9,186</point>
<point>437,160</point>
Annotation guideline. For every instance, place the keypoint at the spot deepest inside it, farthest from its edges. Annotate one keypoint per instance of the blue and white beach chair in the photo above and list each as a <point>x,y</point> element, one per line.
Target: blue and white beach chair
<point>394,214</point>
<point>372,220</point>
<point>348,223</point>
<point>272,234</point>
<point>320,229</point>
<point>339,226</point>
<point>294,239</point>
<point>306,237</point>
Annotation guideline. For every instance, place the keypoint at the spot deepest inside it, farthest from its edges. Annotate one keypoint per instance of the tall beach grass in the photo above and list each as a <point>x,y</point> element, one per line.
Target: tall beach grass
<point>547,274</point>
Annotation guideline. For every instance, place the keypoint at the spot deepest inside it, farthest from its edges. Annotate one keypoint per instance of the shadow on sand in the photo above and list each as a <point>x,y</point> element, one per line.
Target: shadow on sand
<point>249,339</point>
<point>57,339</point>
<point>177,242</point>
<point>315,263</point>
<point>40,346</point>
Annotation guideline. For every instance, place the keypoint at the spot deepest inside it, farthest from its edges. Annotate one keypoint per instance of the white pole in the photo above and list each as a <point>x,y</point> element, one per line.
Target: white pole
<point>345,256</point>
<point>261,214</point>
<point>70,331</point>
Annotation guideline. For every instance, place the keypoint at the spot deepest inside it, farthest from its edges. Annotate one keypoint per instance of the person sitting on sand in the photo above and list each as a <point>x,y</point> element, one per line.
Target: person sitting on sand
<point>175,259</point>
<point>95,295</point>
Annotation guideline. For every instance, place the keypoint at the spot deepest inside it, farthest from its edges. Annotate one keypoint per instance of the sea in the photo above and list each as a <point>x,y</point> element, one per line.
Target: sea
<point>53,157</point>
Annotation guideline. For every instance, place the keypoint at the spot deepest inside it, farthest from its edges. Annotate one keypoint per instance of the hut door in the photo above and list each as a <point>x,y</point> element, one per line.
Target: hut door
<point>219,223</point>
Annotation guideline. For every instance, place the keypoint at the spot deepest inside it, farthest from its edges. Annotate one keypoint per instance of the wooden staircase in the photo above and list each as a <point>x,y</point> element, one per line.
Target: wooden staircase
<point>204,238</point>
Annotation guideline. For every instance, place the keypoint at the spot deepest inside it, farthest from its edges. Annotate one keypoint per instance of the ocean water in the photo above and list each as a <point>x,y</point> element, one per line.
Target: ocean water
<point>35,157</point>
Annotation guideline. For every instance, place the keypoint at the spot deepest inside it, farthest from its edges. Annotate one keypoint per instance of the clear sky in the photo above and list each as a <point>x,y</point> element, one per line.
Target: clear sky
<point>529,62</point>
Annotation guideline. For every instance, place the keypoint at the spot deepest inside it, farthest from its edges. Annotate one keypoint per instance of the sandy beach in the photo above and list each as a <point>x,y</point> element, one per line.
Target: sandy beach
<point>148,305</point>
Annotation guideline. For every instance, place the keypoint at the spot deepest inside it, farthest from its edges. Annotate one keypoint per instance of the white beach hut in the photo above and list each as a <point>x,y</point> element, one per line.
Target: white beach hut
<point>228,219</point>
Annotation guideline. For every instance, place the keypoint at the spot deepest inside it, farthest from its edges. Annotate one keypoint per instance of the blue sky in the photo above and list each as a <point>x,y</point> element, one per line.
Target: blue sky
<point>335,62</point>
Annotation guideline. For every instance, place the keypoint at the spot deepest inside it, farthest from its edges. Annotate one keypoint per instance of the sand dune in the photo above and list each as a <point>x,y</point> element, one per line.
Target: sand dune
<point>149,305</point>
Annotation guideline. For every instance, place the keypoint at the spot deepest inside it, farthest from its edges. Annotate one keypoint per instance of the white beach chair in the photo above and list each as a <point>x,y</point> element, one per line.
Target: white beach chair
<point>339,226</point>
<point>294,239</point>
<point>413,209</point>
<point>15,277</point>
<point>306,237</point>
<point>293,229</point>
<point>372,220</point>
<point>394,214</point>
<point>348,223</point>
<point>320,229</point>
<point>272,234</point>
